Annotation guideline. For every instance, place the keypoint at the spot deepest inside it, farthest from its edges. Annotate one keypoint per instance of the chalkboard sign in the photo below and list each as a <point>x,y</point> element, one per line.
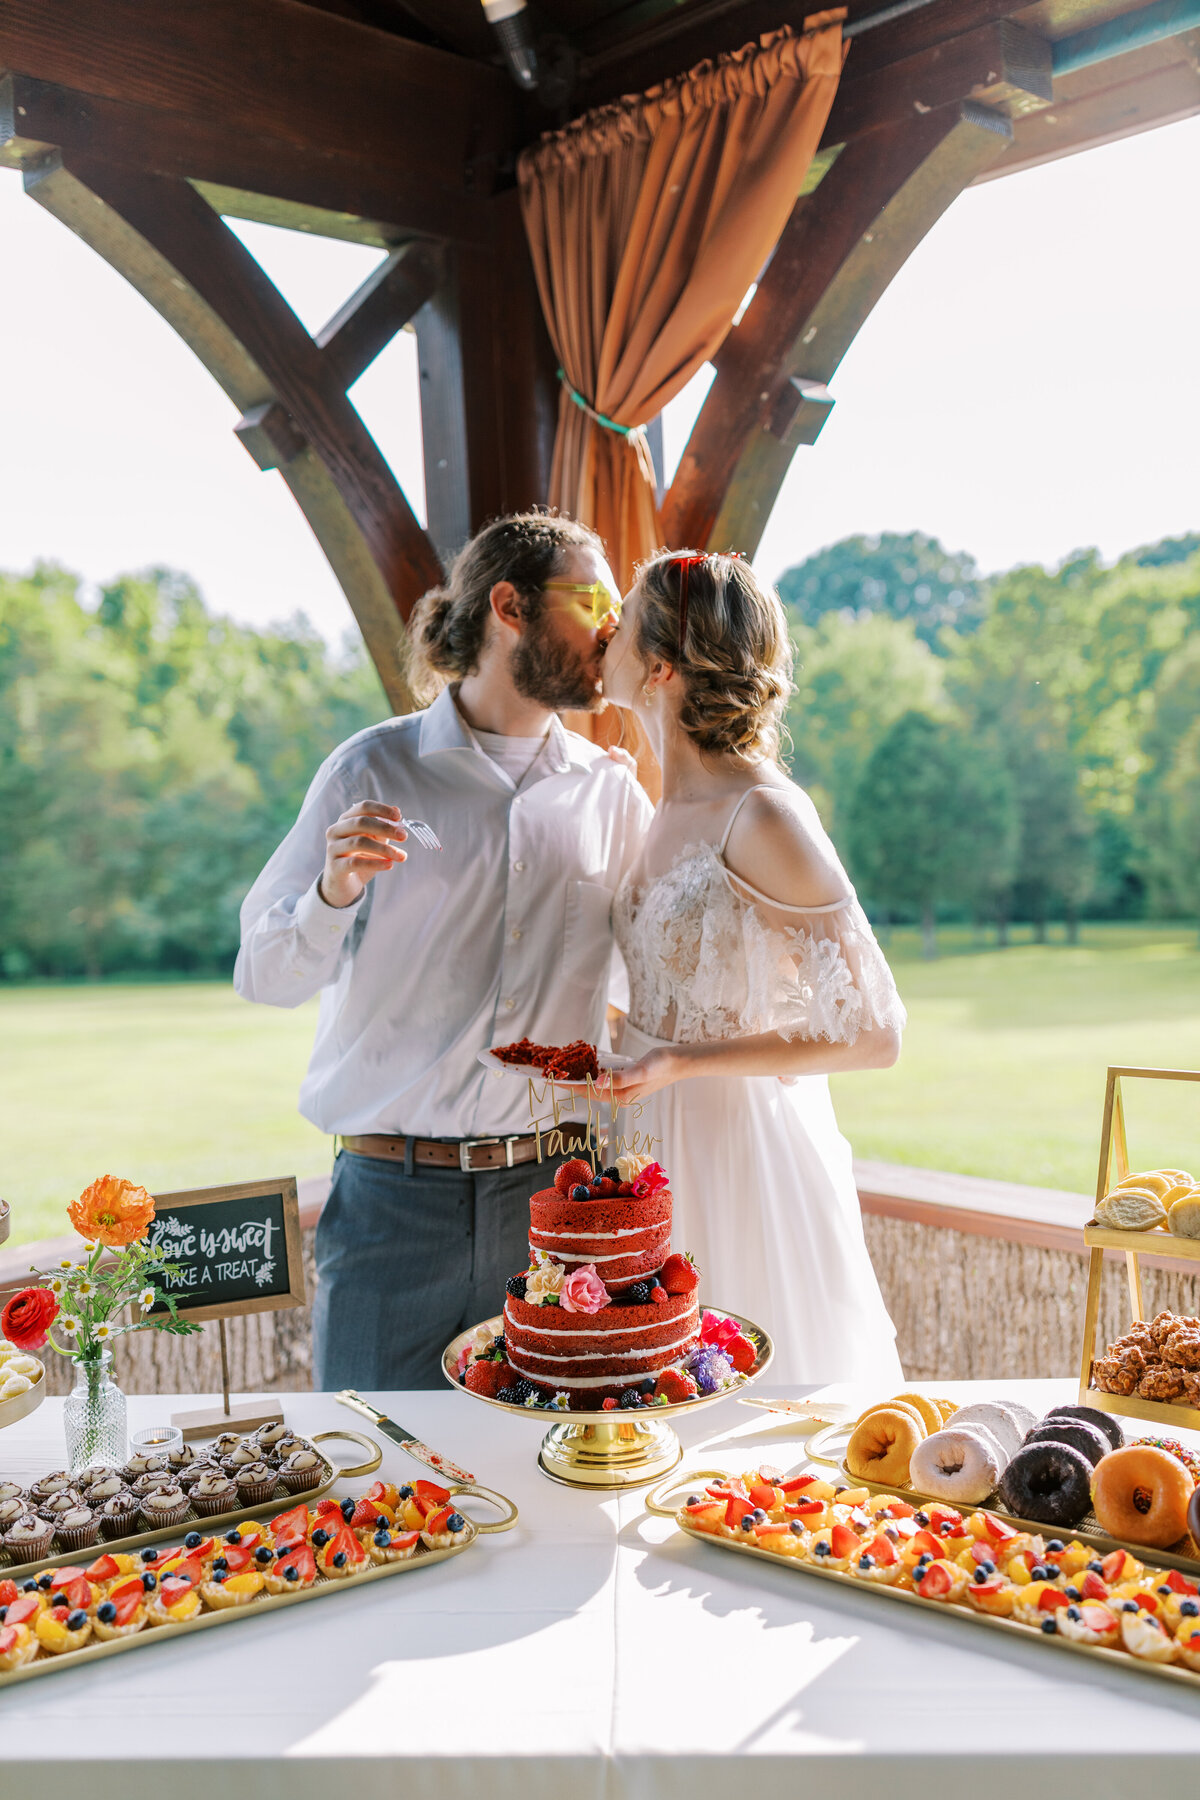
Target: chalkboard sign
<point>238,1248</point>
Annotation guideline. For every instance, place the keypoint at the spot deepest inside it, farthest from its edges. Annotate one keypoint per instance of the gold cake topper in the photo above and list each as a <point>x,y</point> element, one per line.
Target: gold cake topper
<point>588,1138</point>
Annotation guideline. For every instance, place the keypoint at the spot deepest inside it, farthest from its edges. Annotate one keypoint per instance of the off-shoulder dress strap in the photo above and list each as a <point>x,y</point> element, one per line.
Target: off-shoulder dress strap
<point>756,893</point>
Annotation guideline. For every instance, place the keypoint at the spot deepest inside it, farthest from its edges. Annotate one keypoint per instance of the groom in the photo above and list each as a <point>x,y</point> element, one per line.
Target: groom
<point>424,958</point>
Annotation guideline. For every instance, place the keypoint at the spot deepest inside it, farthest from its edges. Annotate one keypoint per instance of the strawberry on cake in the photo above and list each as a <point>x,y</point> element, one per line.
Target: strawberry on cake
<point>605,1315</point>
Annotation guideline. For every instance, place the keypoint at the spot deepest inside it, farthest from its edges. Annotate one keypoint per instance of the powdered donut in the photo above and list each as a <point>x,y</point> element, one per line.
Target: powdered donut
<point>998,1418</point>
<point>882,1444</point>
<point>1091,1415</point>
<point>1142,1494</point>
<point>1131,1209</point>
<point>1077,1432</point>
<point>959,1463</point>
<point>1049,1482</point>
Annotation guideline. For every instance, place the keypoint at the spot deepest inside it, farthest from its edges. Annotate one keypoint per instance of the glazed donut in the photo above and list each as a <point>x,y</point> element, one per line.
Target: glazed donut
<point>947,1408</point>
<point>882,1405</point>
<point>881,1445</point>
<point>1142,1493</point>
<point>1077,1432</point>
<point>997,1417</point>
<point>1091,1415</point>
<point>1049,1482</point>
<point>1131,1209</point>
<point>961,1464</point>
<point>1163,1182</point>
<point>931,1418</point>
<point>1183,1214</point>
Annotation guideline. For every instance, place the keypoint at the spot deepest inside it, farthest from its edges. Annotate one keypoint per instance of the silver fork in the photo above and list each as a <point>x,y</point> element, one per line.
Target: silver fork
<point>424,834</point>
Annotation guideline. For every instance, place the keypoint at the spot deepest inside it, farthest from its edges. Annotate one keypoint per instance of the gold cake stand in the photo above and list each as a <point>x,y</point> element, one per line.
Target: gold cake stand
<point>610,1449</point>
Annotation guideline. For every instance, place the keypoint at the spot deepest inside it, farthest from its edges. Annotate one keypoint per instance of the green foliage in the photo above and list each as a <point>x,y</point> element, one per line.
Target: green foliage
<point>151,757</point>
<point>907,576</point>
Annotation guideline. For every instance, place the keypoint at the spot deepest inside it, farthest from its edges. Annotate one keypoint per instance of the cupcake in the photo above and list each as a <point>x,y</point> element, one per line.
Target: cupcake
<point>86,1481</point>
<point>77,1528</point>
<point>49,1485</point>
<point>268,1436</point>
<point>187,1478</point>
<point>301,1471</point>
<point>255,1483</point>
<point>183,1458</point>
<point>29,1538</point>
<point>284,1446</point>
<point>119,1514</point>
<point>213,1492</point>
<point>143,1464</point>
<point>104,1489</point>
<point>60,1503</point>
<point>11,1490</point>
<point>241,1456</point>
<point>223,1445</point>
<point>146,1484</point>
<point>165,1506</point>
<point>11,1511</point>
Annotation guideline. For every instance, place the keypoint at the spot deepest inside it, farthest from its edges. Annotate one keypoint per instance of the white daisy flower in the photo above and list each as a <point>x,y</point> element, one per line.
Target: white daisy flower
<point>56,1286</point>
<point>66,1263</point>
<point>69,1324</point>
<point>79,1265</point>
<point>146,1298</point>
<point>85,1289</point>
<point>101,1332</point>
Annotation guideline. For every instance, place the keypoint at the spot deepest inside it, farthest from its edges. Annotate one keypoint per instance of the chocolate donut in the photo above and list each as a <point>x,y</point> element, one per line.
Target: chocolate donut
<point>1083,1437</point>
<point>1047,1481</point>
<point>1090,1415</point>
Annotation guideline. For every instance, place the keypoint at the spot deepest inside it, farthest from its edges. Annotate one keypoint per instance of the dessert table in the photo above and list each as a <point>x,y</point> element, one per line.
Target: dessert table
<point>591,1651</point>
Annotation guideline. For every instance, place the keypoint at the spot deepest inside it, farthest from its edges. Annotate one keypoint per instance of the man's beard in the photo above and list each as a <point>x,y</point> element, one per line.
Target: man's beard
<point>545,670</point>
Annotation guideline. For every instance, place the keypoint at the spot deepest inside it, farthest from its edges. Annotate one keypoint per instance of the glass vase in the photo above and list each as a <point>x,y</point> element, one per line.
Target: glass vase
<point>94,1415</point>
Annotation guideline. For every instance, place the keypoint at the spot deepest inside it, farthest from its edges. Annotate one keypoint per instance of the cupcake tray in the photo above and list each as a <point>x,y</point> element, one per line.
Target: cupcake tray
<point>1089,1529</point>
<point>45,1663</point>
<point>1117,1659</point>
<point>212,1524</point>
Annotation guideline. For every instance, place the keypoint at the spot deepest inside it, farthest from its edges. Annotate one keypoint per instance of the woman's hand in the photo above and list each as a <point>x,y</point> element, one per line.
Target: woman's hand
<point>657,1069</point>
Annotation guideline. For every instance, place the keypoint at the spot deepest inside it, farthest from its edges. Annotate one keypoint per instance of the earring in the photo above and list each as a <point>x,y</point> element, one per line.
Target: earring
<point>648,693</point>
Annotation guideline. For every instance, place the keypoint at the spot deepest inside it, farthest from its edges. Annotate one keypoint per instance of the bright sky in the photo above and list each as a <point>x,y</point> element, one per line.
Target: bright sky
<point>1029,384</point>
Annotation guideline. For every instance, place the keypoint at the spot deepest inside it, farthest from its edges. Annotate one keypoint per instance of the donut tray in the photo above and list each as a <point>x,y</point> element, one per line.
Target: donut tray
<point>1184,1557</point>
<point>45,1663</point>
<point>212,1524</point>
<point>1119,1659</point>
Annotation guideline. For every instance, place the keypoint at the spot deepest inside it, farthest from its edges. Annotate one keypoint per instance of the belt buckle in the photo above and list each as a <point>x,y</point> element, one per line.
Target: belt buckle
<point>466,1145</point>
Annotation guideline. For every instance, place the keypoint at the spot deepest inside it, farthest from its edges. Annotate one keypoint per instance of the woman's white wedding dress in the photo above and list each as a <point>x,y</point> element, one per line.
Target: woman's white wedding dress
<point>761,1176</point>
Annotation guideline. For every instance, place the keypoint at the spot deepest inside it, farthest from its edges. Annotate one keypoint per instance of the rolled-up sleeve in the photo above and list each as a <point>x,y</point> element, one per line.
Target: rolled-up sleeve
<point>292,941</point>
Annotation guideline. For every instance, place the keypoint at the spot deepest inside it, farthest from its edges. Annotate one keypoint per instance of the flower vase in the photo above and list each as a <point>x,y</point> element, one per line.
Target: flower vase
<point>94,1415</point>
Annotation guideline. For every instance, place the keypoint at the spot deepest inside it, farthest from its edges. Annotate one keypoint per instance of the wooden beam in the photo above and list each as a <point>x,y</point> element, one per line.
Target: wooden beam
<point>838,252</point>
<point>377,310</point>
<point>186,262</point>
<point>276,76</point>
<point>998,65</point>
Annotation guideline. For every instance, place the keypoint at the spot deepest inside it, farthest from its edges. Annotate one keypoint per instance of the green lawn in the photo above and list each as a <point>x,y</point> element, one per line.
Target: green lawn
<point>182,1084</point>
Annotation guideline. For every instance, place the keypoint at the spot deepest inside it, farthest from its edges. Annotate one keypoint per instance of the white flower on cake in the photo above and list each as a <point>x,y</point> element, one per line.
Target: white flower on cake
<point>545,1283</point>
<point>630,1167</point>
<point>482,1340</point>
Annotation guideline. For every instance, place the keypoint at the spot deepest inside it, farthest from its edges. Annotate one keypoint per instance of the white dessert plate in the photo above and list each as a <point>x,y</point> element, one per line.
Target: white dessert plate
<point>608,1059</point>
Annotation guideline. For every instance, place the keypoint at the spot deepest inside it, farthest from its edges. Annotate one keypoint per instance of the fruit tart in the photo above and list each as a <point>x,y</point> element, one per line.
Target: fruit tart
<point>387,1545</point>
<point>17,1646</point>
<point>58,1629</point>
<point>294,1567</point>
<point>122,1613</point>
<point>340,1553</point>
<point>444,1528</point>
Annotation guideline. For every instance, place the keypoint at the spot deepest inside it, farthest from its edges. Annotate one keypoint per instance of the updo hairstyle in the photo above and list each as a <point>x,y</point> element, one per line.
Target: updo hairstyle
<point>448,625</point>
<point>736,656</point>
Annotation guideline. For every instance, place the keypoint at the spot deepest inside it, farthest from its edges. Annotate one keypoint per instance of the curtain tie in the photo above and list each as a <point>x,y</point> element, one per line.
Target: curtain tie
<point>599,417</point>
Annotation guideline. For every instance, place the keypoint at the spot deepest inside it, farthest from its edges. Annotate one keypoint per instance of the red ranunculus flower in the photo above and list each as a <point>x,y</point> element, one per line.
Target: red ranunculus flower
<point>652,1180</point>
<point>28,1317</point>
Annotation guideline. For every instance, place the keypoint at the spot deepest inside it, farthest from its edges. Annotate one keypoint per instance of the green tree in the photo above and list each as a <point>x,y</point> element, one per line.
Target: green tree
<point>1168,813</point>
<point>934,822</point>
<point>908,576</point>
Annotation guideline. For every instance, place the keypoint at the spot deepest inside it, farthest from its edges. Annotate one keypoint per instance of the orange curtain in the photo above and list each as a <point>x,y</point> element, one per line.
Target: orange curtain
<point>647,221</point>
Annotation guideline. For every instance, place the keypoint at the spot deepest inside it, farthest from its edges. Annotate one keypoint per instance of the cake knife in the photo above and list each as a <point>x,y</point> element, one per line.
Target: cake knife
<point>405,1439</point>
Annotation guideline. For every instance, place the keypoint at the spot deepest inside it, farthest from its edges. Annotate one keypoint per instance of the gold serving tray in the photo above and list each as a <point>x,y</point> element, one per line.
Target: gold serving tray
<point>1089,1530</point>
<point>215,1523</point>
<point>21,1405</point>
<point>45,1664</point>
<point>1119,1659</point>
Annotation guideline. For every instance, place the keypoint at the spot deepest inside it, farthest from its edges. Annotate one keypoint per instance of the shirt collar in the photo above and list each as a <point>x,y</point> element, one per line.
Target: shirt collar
<point>443,728</point>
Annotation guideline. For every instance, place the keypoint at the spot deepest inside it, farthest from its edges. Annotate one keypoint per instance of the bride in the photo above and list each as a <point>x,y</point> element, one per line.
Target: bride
<point>753,973</point>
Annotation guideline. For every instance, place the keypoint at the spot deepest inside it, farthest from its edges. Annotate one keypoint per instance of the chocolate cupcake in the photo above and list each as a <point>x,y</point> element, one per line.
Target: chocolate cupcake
<point>11,1490</point>
<point>29,1539</point>
<point>301,1471</point>
<point>183,1458</point>
<point>118,1515</point>
<point>241,1456</point>
<point>256,1483</point>
<point>87,1480</point>
<point>214,1492</point>
<point>187,1478</point>
<point>10,1511</point>
<point>283,1447</point>
<point>50,1485</point>
<point>268,1436</point>
<point>76,1528</point>
<point>104,1489</point>
<point>221,1446</point>
<point>165,1506</point>
<point>58,1504</point>
<point>146,1484</point>
<point>142,1464</point>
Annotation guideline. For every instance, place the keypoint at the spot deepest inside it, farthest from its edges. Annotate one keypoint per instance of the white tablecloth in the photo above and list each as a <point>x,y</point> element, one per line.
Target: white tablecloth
<point>590,1652</point>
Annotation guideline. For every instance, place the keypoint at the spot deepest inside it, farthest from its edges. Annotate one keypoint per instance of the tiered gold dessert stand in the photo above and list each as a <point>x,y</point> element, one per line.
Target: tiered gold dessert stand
<point>609,1449</point>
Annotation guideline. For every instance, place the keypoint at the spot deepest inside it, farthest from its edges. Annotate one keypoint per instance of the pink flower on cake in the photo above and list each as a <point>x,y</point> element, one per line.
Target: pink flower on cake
<point>652,1180</point>
<point>583,1291</point>
<point>716,1330</point>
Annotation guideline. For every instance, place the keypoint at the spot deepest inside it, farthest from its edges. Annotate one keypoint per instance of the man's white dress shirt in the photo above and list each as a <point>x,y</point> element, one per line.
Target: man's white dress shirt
<point>505,933</point>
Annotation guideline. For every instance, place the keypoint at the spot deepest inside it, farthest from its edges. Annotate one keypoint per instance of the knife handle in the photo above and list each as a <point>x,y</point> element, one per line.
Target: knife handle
<point>357,1404</point>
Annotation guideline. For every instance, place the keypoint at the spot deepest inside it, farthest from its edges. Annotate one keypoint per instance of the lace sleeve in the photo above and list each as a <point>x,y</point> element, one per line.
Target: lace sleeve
<point>825,977</point>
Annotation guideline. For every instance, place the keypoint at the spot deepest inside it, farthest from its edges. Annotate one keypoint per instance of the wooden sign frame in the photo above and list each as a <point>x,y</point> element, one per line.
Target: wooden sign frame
<point>296,1294</point>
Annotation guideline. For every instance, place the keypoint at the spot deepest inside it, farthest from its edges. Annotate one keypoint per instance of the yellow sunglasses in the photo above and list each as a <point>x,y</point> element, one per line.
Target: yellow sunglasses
<point>602,604</point>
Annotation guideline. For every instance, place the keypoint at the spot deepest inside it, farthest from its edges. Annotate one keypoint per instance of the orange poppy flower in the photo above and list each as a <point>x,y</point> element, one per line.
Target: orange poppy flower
<point>112,1211</point>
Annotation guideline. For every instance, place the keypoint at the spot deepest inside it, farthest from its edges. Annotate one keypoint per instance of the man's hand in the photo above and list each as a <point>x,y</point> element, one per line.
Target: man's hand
<point>360,845</point>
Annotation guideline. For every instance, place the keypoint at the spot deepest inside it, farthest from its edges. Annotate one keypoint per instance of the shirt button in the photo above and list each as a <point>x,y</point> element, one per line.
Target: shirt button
<point>519,867</point>
<point>508,1005</point>
<point>516,931</point>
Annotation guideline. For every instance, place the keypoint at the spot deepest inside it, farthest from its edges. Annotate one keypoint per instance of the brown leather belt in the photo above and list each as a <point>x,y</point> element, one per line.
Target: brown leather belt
<point>471,1155</point>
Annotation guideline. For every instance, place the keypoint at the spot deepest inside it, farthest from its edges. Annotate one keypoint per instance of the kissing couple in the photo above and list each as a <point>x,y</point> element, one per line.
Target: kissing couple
<point>752,972</point>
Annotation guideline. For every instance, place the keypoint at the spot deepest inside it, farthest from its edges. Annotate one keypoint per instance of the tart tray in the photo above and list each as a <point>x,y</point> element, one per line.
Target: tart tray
<point>21,1405</point>
<point>214,1524</point>
<point>609,1449</point>
<point>45,1664</point>
<point>822,1449</point>
<point>1116,1659</point>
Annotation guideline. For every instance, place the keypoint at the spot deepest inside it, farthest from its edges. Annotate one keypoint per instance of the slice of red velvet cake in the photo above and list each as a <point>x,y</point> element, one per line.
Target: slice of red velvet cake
<point>589,1317</point>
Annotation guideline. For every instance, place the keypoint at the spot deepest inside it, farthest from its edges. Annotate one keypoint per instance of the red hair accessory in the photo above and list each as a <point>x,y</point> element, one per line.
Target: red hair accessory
<point>686,563</point>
